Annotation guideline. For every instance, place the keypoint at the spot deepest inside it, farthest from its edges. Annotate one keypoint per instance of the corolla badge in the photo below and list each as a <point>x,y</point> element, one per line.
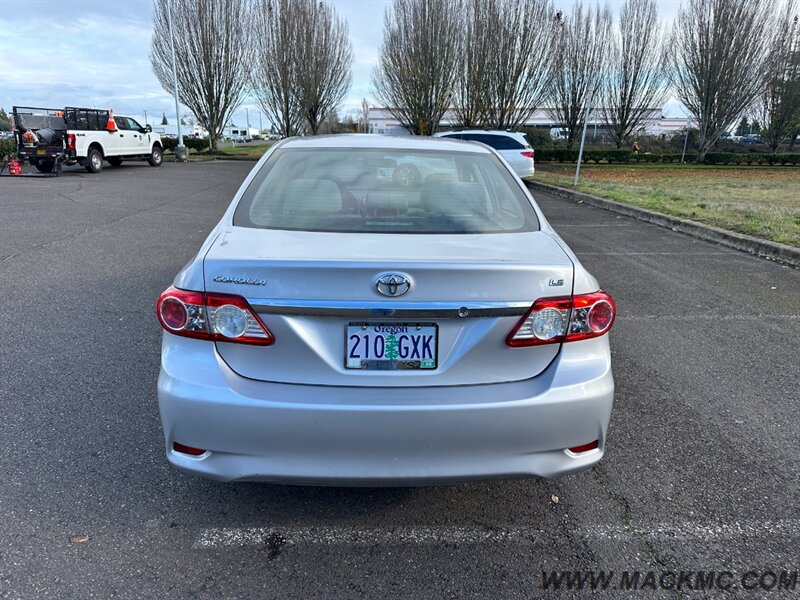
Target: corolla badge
<point>239,280</point>
<point>393,284</point>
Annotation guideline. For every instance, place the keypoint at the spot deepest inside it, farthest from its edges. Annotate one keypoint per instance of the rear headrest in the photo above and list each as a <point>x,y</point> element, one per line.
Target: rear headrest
<point>453,198</point>
<point>312,196</point>
<point>385,203</point>
<point>438,178</point>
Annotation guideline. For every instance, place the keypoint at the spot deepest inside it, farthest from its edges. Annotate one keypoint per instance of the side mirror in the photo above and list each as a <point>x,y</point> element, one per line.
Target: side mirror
<point>147,128</point>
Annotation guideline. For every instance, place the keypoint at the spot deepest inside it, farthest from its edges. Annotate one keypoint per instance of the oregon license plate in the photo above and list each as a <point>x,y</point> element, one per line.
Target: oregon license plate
<point>41,151</point>
<point>391,346</point>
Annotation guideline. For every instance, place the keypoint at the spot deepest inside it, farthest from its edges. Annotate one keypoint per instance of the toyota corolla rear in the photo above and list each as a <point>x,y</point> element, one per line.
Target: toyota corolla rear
<point>341,327</point>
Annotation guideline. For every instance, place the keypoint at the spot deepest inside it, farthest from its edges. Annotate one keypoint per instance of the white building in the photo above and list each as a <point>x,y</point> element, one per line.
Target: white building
<point>235,131</point>
<point>382,122</point>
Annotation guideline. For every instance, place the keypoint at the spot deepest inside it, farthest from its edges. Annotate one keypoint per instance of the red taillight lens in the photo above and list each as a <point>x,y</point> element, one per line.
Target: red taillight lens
<point>585,447</point>
<point>592,316</point>
<point>211,316</point>
<point>528,154</point>
<point>173,314</point>
<point>71,141</point>
<point>187,449</point>
<point>564,319</point>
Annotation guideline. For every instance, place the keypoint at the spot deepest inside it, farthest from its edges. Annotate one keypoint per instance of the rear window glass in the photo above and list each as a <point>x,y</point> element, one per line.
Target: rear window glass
<point>498,142</point>
<point>385,191</point>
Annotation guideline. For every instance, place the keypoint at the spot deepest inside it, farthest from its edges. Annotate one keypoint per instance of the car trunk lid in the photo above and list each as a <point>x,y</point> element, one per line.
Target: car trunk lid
<point>308,287</point>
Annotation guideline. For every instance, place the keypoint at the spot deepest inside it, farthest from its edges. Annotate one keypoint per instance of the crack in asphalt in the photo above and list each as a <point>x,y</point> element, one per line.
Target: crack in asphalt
<point>656,559</point>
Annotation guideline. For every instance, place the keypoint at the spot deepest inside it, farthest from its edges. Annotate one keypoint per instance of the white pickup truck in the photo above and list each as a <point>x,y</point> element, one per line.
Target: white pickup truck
<point>49,138</point>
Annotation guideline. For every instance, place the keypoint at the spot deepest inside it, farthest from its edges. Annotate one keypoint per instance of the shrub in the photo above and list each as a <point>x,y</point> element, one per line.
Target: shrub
<point>723,158</point>
<point>556,155</point>
<point>199,144</point>
<point>8,147</point>
<point>609,155</point>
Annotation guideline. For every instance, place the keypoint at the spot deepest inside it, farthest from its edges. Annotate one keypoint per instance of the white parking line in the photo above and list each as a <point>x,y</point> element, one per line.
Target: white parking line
<point>655,253</point>
<point>707,317</point>
<point>557,225</point>
<point>340,535</point>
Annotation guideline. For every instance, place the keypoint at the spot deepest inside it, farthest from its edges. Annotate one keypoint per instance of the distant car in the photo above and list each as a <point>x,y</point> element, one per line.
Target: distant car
<point>511,145</point>
<point>275,136</point>
<point>336,328</point>
<point>752,139</point>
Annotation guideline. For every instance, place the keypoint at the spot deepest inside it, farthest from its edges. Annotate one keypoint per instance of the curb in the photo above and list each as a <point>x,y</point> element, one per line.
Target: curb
<point>781,253</point>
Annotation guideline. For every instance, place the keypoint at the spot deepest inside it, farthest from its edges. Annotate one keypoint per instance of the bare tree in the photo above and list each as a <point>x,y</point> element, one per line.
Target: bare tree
<point>363,116</point>
<point>303,59</point>
<point>778,104</point>
<point>211,57</point>
<point>579,65</point>
<point>519,59</point>
<point>274,69</point>
<point>470,96</point>
<point>637,79</point>
<point>324,60</point>
<point>419,61</point>
<point>719,48</point>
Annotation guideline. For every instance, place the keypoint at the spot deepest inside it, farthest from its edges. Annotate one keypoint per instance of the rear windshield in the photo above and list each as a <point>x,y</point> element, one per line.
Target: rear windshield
<point>498,142</point>
<point>385,191</point>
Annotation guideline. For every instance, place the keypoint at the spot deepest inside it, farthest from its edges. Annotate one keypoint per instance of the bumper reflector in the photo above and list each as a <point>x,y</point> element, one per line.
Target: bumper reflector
<point>187,449</point>
<point>585,447</point>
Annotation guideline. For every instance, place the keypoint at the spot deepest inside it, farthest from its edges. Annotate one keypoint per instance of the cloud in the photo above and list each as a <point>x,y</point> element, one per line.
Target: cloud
<point>97,54</point>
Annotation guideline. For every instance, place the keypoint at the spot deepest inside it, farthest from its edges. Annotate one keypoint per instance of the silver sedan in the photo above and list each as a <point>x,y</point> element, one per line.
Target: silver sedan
<point>339,327</point>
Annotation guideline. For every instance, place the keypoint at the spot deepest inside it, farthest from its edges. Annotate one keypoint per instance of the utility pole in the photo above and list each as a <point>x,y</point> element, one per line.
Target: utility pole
<point>260,126</point>
<point>180,151</point>
<point>247,117</point>
<point>145,117</point>
<point>685,142</point>
<point>589,95</point>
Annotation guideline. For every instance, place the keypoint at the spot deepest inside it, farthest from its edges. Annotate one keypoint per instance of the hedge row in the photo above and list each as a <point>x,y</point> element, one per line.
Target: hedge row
<point>623,156</point>
<point>199,144</point>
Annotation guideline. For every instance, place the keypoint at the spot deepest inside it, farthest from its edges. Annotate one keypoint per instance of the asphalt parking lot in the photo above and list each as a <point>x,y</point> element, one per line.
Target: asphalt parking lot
<point>701,470</point>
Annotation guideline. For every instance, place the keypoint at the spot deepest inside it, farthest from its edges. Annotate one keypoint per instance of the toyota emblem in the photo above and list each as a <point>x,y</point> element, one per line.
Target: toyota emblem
<point>392,284</point>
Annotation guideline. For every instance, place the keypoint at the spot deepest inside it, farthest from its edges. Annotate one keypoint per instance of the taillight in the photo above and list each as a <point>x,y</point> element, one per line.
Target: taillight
<point>564,319</point>
<point>211,316</point>
<point>71,141</point>
<point>528,153</point>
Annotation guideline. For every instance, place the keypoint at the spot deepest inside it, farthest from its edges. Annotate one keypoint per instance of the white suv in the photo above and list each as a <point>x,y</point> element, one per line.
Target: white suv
<point>511,145</point>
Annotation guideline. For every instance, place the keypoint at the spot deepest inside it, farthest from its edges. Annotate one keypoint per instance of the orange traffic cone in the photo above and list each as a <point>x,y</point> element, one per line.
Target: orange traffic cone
<point>111,124</point>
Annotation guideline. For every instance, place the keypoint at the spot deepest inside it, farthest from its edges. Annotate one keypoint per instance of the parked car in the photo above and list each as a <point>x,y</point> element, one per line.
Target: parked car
<point>752,139</point>
<point>512,146</point>
<point>334,328</point>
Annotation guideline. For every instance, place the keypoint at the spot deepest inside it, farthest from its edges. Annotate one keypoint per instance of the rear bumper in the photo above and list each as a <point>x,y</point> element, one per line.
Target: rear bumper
<point>383,436</point>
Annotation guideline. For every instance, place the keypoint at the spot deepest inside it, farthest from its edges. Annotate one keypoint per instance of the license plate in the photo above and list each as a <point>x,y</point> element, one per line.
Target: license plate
<point>391,346</point>
<point>41,152</point>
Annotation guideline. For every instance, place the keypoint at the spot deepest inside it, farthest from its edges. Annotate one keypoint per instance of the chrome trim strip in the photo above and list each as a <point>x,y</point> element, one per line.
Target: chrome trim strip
<point>404,310</point>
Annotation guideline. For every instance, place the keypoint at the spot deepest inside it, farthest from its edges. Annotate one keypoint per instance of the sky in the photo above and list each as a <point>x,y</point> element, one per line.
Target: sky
<point>95,53</point>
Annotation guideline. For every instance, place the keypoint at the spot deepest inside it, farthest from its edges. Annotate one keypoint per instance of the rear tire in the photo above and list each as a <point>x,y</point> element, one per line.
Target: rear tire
<point>94,161</point>
<point>45,166</point>
<point>156,157</point>
<point>114,161</point>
